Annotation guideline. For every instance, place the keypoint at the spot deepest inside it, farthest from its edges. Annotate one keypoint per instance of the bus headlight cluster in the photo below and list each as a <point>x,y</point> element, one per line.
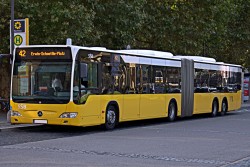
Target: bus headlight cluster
<point>68,115</point>
<point>15,113</point>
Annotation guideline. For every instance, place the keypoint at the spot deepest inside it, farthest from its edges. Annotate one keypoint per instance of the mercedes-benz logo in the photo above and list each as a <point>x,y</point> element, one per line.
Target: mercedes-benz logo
<point>40,113</point>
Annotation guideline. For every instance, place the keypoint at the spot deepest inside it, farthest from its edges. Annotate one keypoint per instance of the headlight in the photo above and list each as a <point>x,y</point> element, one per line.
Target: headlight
<point>68,115</point>
<point>15,113</point>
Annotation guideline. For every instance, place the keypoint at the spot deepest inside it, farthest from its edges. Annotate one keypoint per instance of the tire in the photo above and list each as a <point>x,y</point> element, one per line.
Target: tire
<point>172,111</point>
<point>223,108</point>
<point>111,118</point>
<point>215,107</point>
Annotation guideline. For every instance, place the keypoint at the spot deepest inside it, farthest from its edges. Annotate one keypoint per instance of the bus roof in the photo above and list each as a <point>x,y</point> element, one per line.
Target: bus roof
<point>207,60</point>
<point>148,53</point>
<point>198,58</point>
<point>143,53</point>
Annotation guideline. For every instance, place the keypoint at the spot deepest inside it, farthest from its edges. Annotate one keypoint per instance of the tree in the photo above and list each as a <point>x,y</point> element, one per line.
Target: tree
<point>117,22</point>
<point>218,29</point>
<point>51,22</point>
<point>4,26</point>
<point>239,34</point>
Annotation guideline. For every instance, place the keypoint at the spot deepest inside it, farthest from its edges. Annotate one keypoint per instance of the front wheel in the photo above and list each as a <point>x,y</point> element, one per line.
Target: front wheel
<point>172,112</point>
<point>111,118</point>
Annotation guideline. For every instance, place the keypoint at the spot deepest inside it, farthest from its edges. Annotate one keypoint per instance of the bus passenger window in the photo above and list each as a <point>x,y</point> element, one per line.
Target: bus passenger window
<point>106,80</point>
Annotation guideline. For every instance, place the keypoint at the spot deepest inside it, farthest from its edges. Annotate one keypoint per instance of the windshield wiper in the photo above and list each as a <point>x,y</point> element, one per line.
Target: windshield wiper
<point>21,100</point>
<point>40,100</point>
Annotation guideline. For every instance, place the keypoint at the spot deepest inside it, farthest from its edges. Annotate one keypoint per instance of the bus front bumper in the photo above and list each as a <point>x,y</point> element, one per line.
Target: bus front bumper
<point>50,121</point>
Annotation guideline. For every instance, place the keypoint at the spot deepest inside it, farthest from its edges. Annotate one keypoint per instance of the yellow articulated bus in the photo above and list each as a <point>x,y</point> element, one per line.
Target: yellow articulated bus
<point>85,86</point>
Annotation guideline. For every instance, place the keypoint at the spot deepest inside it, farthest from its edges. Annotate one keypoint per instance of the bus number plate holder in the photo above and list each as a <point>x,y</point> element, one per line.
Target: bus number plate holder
<point>40,121</point>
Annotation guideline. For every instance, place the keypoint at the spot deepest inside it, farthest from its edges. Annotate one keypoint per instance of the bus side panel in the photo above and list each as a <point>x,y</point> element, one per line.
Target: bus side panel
<point>152,105</point>
<point>105,100</point>
<point>234,100</point>
<point>88,113</point>
<point>238,100</point>
<point>131,107</point>
<point>203,102</point>
<point>230,101</point>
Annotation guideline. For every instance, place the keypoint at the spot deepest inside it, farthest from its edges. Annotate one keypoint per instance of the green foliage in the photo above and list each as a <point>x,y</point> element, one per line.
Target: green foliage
<point>51,22</point>
<point>117,22</point>
<point>4,26</point>
<point>218,29</point>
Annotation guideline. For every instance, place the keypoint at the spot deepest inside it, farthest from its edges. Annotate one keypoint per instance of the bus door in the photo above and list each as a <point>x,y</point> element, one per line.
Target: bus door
<point>153,100</point>
<point>131,99</point>
<point>85,86</point>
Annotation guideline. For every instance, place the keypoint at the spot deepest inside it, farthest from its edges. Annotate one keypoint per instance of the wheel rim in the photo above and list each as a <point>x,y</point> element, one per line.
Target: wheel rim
<point>214,109</point>
<point>111,117</point>
<point>172,111</point>
<point>224,107</point>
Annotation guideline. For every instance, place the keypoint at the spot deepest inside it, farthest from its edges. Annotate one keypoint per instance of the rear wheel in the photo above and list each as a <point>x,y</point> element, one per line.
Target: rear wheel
<point>223,107</point>
<point>172,111</point>
<point>111,118</point>
<point>214,108</point>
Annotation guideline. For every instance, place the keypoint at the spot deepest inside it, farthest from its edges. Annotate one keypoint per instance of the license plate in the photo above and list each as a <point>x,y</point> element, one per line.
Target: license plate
<point>40,121</point>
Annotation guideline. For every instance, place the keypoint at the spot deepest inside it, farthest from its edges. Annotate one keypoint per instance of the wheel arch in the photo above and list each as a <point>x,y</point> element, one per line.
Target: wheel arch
<point>215,111</point>
<point>173,100</point>
<point>216,100</point>
<point>116,105</point>
<point>224,99</point>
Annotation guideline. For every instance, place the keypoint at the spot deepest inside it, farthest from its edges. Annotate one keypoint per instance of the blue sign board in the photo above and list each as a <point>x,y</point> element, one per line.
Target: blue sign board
<point>19,26</point>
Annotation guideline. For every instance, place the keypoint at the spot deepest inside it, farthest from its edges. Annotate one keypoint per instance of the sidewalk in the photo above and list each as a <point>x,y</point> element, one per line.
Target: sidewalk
<point>4,126</point>
<point>7,126</point>
<point>245,104</point>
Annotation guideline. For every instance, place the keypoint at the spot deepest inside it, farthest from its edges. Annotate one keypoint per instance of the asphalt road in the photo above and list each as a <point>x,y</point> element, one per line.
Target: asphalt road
<point>197,141</point>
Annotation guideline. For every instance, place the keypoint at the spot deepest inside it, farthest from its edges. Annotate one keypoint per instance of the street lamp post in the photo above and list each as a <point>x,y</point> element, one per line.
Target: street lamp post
<point>12,43</point>
<point>12,28</point>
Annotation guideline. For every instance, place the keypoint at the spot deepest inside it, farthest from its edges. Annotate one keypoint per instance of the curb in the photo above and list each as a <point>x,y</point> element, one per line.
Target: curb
<point>246,106</point>
<point>13,127</point>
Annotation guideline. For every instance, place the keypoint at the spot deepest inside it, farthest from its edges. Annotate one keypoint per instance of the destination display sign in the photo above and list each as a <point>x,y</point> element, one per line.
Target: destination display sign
<point>44,53</point>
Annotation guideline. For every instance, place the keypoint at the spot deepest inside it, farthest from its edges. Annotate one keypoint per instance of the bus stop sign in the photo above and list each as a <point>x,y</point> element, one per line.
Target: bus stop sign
<point>21,32</point>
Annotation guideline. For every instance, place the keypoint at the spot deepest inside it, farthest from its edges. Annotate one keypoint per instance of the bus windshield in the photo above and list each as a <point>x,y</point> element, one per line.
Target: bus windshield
<point>40,81</point>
